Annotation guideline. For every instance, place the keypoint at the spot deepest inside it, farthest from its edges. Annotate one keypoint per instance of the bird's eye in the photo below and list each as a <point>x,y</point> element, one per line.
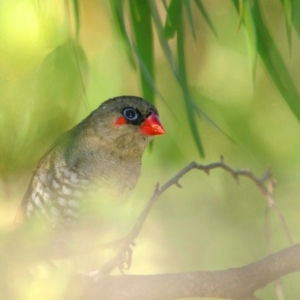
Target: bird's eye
<point>130,114</point>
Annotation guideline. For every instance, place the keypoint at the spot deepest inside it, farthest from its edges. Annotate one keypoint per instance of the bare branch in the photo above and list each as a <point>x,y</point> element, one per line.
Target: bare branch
<point>265,184</point>
<point>236,283</point>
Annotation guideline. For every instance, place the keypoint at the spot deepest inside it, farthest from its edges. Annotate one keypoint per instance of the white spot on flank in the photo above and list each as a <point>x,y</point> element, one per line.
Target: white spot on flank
<point>67,173</point>
<point>74,178</point>
<point>29,208</point>
<point>37,201</point>
<point>66,191</point>
<point>66,180</point>
<point>78,194</point>
<point>62,201</point>
<point>55,184</point>
<point>47,190</point>
<point>39,189</point>
<point>54,211</point>
<point>73,203</point>
<point>84,182</point>
<point>46,198</point>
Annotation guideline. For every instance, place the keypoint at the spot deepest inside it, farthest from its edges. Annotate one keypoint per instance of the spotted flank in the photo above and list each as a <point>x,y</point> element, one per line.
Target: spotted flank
<point>59,201</point>
<point>29,209</point>
<point>62,201</point>
<point>74,178</point>
<point>55,184</point>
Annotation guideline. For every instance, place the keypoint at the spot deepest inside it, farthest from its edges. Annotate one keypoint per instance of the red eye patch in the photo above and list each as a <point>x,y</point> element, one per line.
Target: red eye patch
<point>120,121</point>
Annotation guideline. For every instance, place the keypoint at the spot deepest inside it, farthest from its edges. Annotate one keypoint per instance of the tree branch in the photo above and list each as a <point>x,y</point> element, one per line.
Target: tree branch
<point>236,283</point>
<point>236,173</point>
<point>265,184</point>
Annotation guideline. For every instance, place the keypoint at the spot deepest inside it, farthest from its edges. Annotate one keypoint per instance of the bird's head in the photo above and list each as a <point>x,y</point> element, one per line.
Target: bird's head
<point>137,114</point>
<point>126,122</point>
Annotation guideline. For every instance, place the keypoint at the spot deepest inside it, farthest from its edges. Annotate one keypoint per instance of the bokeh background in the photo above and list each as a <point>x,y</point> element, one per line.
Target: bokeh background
<point>60,59</point>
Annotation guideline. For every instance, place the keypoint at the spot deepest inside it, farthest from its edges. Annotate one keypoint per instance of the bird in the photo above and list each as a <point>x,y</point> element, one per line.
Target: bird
<point>100,156</point>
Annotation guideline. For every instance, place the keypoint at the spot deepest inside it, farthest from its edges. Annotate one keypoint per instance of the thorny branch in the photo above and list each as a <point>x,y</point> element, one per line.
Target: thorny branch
<point>265,184</point>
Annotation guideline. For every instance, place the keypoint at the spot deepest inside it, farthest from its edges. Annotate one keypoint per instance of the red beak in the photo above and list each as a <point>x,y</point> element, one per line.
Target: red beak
<point>152,126</point>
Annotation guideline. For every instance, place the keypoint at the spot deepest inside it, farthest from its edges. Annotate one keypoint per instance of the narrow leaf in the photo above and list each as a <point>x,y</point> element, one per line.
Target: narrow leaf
<point>288,8</point>
<point>249,23</point>
<point>241,13</point>
<point>76,18</point>
<point>61,85</point>
<point>187,5</point>
<point>184,86</point>
<point>141,22</point>
<point>164,2</point>
<point>174,10</point>
<point>206,16</point>
<point>163,42</point>
<point>201,114</point>
<point>177,73</point>
<point>117,7</point>
<point>296,16</point>
<point>275,63</point>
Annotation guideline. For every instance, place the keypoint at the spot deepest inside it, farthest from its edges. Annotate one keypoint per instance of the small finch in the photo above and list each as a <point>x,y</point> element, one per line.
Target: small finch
<point>102,155</point>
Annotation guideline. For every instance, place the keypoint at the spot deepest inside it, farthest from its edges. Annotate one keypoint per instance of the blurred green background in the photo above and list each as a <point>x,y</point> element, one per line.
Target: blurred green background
<point>60,59</point>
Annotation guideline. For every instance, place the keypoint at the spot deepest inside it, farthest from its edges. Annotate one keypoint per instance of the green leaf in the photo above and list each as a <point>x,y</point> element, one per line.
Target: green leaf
<point>275,63</point>
<point>117,7</point>
<point>187,4</point>
<point>201,114</point>
<point>184,85</point>
<point>247,18</point>
<point>296,16</point>
<point>174,10</point>
<point>163,42</point>
<point>60,87</point>
<point>179,70</point>
<point>206,16</point>
<point>141,22</point>
<point>288,9</point>
<point>164,2</point>
<point>76,17</point>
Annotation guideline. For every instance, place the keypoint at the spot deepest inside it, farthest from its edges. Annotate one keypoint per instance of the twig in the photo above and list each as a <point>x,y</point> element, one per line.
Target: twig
<point>262,184</point>
<point>236,173</point>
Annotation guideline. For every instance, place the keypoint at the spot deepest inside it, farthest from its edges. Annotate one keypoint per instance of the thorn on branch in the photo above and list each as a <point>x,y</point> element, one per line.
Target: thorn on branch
<point>178,185</point>
<point>236,178</point>
<point>157,188</point>
<point>267,176</point>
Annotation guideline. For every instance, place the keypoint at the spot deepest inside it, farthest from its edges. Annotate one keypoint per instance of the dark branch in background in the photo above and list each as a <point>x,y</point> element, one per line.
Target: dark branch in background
<point>237,283</point>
